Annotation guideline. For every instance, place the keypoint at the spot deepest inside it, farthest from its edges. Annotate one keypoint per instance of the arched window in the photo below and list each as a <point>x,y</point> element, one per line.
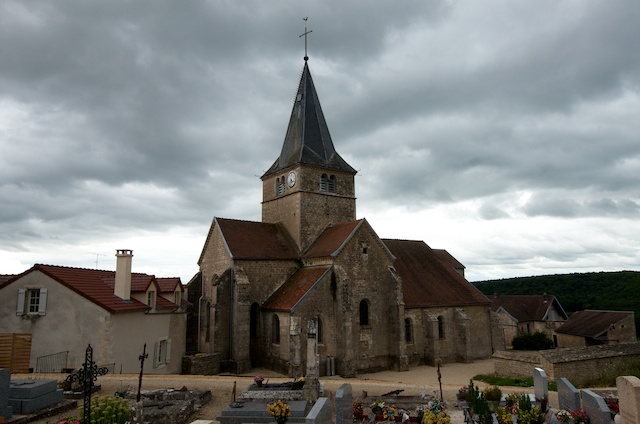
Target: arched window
<point>441,327</point>
<point>323,182</point>
<point>332,184</point>
<point>319,330</point>
<point>275,329</point>
<point>364,312</point>
<point>408,331</point>
<point>255,316</point>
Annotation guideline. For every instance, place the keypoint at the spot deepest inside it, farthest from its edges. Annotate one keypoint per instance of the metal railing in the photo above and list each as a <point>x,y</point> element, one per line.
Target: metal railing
<point>56,362</point>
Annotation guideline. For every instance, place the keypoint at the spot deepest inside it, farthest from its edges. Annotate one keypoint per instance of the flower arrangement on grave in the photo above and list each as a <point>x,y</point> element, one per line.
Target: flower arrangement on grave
<point>357,410</point>
<point>563,416</point>
<point>280,411</point>
<point>579,416</point>
<point>298,383</point>
<point>258,379</point>
<point>463,393</point>
<point>435,405</point>
<point>378,406</point>
<point>613,405</point>
<point>436,418</point>
<point>390,413</point>
<point>543,401</point>
<point>70,421</point>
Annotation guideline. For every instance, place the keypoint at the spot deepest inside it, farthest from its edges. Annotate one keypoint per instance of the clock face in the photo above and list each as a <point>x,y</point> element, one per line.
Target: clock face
<point>291,179</point>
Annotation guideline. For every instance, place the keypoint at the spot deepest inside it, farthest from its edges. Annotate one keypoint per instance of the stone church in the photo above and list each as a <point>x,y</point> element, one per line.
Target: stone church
<point>310,268</point>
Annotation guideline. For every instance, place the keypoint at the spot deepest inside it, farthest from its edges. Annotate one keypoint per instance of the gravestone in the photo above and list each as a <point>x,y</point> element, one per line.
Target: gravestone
<point>344,399</point>
<point>629,398</point>
<point>256,412</point>
<point>596,408</point>
<point>320,413</point>
<point>568,395</point>
<point>540,383</point>
<point>6,411</point>
<point>28,396</point>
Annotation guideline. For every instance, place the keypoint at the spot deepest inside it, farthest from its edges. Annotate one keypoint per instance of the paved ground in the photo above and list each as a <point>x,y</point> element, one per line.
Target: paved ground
<point>417,381</point>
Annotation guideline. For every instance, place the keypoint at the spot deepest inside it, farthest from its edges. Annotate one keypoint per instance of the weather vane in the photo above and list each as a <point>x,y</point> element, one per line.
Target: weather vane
<point>305,37</point>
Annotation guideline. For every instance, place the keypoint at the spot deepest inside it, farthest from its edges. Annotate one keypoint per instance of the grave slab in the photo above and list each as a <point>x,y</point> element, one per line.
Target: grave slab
<point>29,389</point>
<point>28,406</point>
<point>256,412</point>
<point>568,395</point>
<point>596,408</point>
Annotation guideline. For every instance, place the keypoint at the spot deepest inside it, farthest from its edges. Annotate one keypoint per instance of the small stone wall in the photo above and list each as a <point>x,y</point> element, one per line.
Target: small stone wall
<point>592,361</point>
<point>517,363</point>
<point>201,364</point>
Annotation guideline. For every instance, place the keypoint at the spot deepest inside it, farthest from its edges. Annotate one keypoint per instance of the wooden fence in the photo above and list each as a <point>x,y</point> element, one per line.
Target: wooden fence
<point>15,351</point>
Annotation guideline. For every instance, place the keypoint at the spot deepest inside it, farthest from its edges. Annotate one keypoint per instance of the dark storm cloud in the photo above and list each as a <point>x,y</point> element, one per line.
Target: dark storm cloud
<point>121,118</point>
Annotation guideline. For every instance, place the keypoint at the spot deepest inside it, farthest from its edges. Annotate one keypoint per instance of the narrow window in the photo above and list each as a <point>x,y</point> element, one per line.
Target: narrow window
<point>323,183</point>
<point>441,327</point>
<point>280,186</point>
<point>408,331</point>
<point>332,184</point>
<point>253,321</point>
<point>319,330</point>
<point>364,312</point>
<point>275,327</point>
<point>207,317</point>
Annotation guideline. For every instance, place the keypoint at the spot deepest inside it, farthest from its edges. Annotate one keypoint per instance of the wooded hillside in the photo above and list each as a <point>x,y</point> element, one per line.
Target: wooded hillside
<point>618,291</point>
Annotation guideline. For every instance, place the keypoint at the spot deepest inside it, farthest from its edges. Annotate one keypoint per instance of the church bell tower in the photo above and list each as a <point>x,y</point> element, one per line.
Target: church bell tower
<point>309,186</point>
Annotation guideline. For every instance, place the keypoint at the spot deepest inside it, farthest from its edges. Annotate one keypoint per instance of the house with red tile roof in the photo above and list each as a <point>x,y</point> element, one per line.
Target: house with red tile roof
<point>65,309</point>
<point>527,314</point>
<point>312,277</point>
<point>595,327</point>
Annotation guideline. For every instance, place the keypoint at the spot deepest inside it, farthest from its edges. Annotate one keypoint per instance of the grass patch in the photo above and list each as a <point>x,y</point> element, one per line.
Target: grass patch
<point>498,380</point>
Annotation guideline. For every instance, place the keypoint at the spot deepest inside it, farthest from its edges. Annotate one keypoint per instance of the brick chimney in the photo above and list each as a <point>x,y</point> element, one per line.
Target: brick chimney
<point>123,273</point>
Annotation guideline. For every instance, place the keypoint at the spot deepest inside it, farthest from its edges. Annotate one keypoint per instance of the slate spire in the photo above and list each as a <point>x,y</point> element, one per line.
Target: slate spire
<point>308,140</point>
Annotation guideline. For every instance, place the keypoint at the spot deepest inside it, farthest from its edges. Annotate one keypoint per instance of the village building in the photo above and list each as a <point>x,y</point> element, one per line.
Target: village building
<point>62,310</point>
<point>592,327</point>
<point>527,314</point>
<point>311,268</point>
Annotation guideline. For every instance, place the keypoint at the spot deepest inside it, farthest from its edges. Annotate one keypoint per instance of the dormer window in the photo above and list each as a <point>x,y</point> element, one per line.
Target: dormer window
<point>151,299</point>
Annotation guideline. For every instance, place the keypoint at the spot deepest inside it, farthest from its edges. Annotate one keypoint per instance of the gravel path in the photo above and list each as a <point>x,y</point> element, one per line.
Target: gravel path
<point>417,381</point>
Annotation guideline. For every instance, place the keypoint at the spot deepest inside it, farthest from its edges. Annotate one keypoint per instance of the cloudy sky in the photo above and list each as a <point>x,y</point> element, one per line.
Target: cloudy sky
<point>507,132</point>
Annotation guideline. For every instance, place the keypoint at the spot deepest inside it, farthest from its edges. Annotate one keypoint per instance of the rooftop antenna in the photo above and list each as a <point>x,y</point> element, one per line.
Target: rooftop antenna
<point>305,37</point>
<point>97,254</point>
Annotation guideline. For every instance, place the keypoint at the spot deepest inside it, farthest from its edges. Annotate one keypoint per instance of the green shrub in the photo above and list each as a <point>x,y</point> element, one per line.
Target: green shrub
<point>535,341</point>
<point>492,393</point>
<point>108,410</point>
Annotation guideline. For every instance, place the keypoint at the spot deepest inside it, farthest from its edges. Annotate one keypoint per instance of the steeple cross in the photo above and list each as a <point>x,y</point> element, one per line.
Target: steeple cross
<point>305,37</point>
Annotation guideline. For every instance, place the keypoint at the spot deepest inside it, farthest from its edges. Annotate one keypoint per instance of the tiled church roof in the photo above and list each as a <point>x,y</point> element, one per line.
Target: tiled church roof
<point>427,281</point>
<point>256,240</point>
<point>332,239</point>
<point>296,288</point>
